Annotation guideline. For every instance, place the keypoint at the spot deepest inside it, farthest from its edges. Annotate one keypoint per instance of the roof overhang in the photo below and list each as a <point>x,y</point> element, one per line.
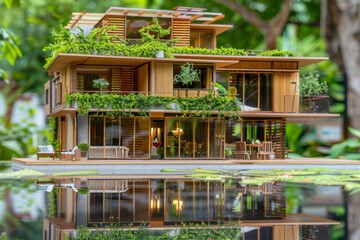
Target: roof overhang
<point>198,15</point>
<point>217,28</point>
<point>306,118</point>
<point>64,59</point>
<point>302,61</point>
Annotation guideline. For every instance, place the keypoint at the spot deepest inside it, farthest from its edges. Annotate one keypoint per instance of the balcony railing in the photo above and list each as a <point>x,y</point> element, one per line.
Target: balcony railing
<point>306,104</point>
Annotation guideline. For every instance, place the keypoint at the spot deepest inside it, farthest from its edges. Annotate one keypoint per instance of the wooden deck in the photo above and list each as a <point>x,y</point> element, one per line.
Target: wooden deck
<point>143,167</point>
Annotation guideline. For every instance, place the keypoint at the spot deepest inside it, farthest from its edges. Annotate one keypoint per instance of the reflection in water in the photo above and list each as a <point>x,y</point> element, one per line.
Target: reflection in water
<point>167,203</point>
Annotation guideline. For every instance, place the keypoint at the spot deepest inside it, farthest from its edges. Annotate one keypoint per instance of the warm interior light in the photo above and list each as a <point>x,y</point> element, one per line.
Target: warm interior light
<point>177,132</point>
<point>178,204</point>
<point>155,203</point>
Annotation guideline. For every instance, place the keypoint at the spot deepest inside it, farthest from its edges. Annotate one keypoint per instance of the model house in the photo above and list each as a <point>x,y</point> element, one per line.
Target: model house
<point>265,89</point>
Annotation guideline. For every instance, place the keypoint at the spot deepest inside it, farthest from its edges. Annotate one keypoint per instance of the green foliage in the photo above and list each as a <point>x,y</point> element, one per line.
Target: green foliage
<point>276,52</point>
<point>153,32</point>
<point>160,151</point>
<point>9,46</point>
<point>83,190</point>
<point>228,152</point>
<point>311,85</point>
<point>349,148</point>
<point>188,75</point>
<point>127,105</point>
<point>185,231</point>
<point>99,42</point>
<point>53,127</point>
<point>52,203</point>
<point>84,147</point>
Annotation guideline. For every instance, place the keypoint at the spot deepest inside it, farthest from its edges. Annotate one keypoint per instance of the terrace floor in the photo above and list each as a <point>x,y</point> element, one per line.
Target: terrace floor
<point>131,166</point>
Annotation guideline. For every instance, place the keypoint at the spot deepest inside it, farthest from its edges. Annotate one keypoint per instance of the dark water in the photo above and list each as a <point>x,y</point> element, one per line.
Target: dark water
<point>52,208</point>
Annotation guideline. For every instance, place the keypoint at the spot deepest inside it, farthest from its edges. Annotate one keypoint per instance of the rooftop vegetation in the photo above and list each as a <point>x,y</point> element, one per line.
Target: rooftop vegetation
<point>127,105</point>
<point>98,42</point>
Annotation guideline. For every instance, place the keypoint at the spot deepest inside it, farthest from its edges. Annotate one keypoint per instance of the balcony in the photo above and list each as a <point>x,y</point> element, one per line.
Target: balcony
<point>306,104</point>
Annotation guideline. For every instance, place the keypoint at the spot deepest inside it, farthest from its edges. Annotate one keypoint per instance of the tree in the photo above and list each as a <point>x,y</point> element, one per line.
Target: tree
<point>341,31</point>
<point>271,29</point>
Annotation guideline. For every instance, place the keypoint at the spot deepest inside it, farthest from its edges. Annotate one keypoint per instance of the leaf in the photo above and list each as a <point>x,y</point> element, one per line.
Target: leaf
<point>8,3</point>
<point>354,131</point>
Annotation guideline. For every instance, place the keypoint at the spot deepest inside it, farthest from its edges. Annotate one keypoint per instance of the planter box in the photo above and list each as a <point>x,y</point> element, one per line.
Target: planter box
<point>314,104</point>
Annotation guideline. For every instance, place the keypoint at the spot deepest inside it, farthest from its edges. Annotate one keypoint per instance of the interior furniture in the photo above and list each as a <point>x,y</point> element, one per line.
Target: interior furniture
<point>241,151</point>
<point>190,148</point>
<point>266,151</point>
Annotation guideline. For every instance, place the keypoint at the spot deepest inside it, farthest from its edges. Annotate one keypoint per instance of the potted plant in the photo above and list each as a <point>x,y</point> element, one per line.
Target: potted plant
<point>160,152</point>
<point>84,148</point>
<point>100,83</point>
<point>311,90</point>
<point>83,190</point>
<point>228,152</point>
<point>188,75</point>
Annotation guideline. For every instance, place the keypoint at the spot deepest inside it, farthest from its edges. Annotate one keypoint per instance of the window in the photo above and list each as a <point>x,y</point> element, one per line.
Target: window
<point>202,39</point>
<point>205,75</point>
<point>134,24</point>
<point>253,89</point>
<point>85,79</point>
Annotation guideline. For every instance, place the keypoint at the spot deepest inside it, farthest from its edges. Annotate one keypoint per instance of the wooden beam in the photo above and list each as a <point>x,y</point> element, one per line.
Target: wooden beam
<point>215,19</point>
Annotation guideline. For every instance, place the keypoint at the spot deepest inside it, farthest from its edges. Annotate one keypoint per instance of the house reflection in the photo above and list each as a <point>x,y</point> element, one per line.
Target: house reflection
<point>165,203</point>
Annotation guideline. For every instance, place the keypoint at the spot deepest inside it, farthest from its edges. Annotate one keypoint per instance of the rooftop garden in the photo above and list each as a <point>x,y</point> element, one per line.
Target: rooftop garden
<point>98,42</point>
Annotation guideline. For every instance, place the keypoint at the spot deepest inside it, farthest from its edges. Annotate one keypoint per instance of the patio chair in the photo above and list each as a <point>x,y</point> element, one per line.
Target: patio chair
<point>45,151</point>
<point>241,151</point>
<point>266,151</point>
<point>74,153</point>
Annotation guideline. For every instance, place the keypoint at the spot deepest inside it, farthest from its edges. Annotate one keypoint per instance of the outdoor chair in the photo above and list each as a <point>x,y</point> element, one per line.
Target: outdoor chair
<point>45,151</point>
<point>75,153</point>
<point>266,151</point>
<point>241,151</point>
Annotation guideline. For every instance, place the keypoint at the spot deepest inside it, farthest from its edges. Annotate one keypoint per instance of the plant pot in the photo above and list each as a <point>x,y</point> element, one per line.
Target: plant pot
<point>160,54</point>
<point>84,155</point>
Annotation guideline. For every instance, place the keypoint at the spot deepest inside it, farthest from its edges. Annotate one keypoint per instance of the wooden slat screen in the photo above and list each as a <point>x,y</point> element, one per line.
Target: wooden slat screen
<point>181,31</point>
<point>275,132</point>
<point>127,79</point>
<point>119,23</point>
<point>116,79</point>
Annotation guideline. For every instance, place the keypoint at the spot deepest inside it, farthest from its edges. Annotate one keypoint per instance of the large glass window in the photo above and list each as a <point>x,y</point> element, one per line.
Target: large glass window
<point>194,138</point>
<point>116,137</point>
<point>253,89</point>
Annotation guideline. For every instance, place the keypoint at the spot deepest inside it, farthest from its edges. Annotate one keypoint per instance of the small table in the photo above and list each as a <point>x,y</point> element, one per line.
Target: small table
<point>253,148</point>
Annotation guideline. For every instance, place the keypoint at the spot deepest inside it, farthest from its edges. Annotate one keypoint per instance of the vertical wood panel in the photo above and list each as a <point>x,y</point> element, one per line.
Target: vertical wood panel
<point>283,91</point>
<point>164,79</point>
<point>142,79</point>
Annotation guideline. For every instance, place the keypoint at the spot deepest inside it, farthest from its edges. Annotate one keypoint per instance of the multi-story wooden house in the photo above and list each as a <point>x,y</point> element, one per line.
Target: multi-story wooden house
<point>266,88</point>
